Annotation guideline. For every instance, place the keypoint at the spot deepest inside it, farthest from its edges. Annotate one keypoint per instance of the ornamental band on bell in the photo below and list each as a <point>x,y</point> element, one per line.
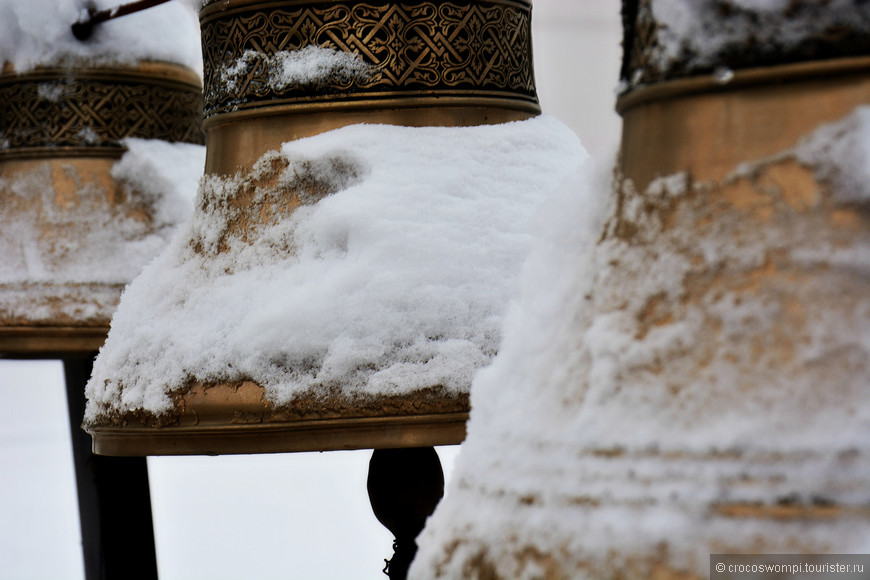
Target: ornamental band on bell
<point>90,109</point>
<point>419,49</point>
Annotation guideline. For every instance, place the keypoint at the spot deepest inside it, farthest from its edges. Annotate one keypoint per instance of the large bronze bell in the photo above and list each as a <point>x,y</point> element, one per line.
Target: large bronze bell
<point>710,392</point>
<point>426,64</point>
<point>65,218</point>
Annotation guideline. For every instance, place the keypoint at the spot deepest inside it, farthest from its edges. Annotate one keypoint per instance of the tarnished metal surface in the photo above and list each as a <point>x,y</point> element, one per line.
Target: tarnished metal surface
<point>767,37</point>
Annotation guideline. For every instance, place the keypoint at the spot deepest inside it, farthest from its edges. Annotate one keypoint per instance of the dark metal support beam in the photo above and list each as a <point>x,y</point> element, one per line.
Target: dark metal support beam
<point>114,497</point>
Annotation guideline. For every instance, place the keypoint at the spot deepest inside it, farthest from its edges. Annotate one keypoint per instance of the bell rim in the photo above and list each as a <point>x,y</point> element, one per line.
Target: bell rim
<point>22,341</point>
<point>421,430</point>
<point>383,106</point>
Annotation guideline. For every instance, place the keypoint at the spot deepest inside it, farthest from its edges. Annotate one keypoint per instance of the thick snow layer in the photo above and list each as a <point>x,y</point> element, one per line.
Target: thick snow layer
<point>698,34</point>
<point>392,274</point>
<point>686,347</point>
<point>37,32</point>
<point>94,234</point>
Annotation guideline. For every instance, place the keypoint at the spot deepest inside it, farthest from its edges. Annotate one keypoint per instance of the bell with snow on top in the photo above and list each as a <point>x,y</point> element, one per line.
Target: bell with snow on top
<point>370,169</point>
<point>78,220</point>
<point>693,379</point>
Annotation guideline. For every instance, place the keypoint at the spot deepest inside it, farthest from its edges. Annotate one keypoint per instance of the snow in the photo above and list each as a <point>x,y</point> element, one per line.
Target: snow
<point>648,374</point>
<point>310,65</point>
<point>368,267</point>
<point>37,33</point>
<point>67,231</point>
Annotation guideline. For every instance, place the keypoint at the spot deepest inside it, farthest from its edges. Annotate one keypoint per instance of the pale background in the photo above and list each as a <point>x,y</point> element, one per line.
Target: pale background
<point>304,515</point>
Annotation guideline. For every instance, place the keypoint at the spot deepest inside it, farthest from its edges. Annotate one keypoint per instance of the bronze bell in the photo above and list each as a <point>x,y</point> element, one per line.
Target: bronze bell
<point>710,391</point>
<point>414,64</point>
<point>63,212</point>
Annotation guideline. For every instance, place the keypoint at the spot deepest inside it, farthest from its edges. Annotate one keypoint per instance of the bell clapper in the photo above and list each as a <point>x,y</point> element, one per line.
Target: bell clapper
<point>405,486</point>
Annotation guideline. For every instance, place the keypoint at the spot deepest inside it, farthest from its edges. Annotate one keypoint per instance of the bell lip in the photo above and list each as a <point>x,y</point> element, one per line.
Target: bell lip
<point>213,8</point>
<point>283,437</point>
<point>42,341</point>
<point>821,69</point>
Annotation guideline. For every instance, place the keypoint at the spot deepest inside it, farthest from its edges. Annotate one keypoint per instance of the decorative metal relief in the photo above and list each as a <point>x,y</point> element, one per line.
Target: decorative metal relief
<point>408,49</point>
<point>50,109</point>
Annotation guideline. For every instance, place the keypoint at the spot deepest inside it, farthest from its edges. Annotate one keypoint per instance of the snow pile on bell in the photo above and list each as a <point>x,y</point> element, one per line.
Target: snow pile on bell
<point>372,259</point>
<point>69,242</point>
<point>687,372</point>
<point>38,33</point>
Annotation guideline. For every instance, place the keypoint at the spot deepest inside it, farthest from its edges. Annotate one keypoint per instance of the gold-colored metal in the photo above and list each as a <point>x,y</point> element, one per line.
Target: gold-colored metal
<point>245,136</point>
<point>424,63</point>
<point>429,64</point>
<point>706,128</point>
<point>60,135</point>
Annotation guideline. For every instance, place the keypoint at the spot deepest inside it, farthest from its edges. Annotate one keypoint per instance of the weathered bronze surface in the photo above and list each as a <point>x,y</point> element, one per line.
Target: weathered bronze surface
<point>41,341</point>
<point>62,128</point>
<point>709,166</point>
<point>237,418</point>
<point>429,64</point>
